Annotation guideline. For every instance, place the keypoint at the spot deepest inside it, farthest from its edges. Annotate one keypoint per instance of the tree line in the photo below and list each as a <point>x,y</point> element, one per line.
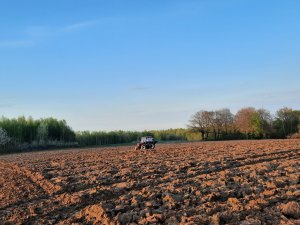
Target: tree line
<point>27,133</point>
<point>247,123</point>
<point>87,138</point>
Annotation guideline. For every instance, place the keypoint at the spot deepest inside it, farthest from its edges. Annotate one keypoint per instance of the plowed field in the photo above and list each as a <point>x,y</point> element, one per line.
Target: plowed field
<point>233,182</point>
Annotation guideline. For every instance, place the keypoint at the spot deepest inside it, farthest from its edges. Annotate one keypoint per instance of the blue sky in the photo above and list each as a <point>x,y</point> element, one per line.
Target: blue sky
<point>135,65</point>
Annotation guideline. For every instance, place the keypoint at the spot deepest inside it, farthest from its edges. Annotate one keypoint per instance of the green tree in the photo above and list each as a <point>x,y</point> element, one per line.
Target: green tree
<point>286,122</point>
<point>42,133</point>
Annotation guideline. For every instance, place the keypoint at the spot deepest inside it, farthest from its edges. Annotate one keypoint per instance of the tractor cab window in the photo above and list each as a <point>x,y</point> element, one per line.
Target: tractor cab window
<point>149,139</point>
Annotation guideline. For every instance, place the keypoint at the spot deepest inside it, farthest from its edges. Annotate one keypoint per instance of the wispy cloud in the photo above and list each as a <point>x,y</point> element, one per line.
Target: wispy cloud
<point>277,95</point>
<point>81,25</point>
<point>138,88</point>
<point>5,106</point>
<point>17,43</point>
<point>38,31</point>
<point>34,34</point>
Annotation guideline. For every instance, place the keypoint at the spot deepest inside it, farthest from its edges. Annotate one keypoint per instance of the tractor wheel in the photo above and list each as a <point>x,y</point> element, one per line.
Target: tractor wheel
<point>143,147</point>
<point>152,146</point>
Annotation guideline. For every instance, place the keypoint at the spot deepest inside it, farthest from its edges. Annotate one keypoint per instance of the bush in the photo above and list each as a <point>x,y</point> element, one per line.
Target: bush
<point>295,136</point>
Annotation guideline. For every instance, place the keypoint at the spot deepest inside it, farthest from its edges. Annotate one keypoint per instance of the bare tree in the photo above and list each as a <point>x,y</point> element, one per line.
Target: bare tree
<point>202,122</point>
<point>224,119</point>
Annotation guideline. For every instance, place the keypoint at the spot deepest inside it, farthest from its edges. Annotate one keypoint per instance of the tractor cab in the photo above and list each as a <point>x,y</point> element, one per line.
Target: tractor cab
<point>146,139</point>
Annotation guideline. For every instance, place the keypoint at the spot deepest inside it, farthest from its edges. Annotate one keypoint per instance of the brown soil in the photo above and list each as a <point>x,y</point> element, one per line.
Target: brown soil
<point>234,182</point>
